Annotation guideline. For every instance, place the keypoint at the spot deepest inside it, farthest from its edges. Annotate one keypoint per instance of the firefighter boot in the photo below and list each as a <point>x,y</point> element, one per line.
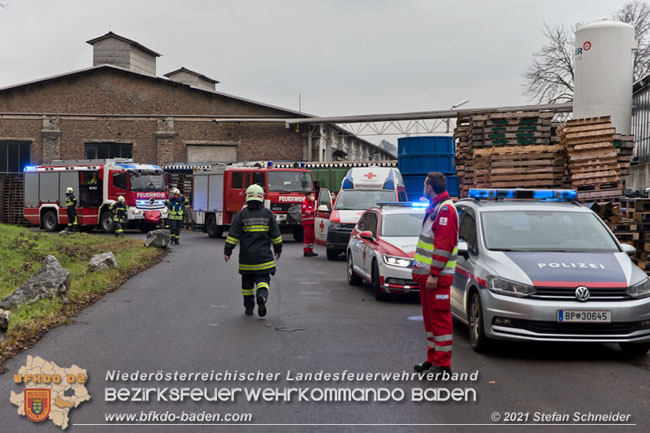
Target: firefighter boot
<point>249,304</point>
<point>261,306</point>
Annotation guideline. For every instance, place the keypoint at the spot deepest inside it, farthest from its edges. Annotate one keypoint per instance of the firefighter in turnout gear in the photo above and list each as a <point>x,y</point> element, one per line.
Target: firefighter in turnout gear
<point>433,269</point>
<point>71,204</point>
<point>255,229</point>
<point>120,215</point>
<point>307,214</point>
<point>176,207</point>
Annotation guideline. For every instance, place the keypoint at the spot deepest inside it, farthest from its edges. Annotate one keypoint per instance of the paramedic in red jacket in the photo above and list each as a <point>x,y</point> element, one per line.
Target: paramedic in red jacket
<point>307,214</point>
<point>433,268</point>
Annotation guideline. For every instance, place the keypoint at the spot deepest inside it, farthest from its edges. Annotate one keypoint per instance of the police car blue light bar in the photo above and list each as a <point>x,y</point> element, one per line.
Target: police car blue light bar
<point>29,168</point>
<point>524,194</point>
<point>403,203</point>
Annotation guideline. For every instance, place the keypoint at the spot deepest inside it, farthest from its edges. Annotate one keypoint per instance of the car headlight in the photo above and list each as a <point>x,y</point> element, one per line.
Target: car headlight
<point>136,212</point>
<point>335,226</point>
<point>397,261</point>
<point>639,290</point>
<point>510,288</point>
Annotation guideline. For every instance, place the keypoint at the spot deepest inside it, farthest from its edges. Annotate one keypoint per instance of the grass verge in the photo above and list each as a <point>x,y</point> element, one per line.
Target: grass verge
<point>21,255</point>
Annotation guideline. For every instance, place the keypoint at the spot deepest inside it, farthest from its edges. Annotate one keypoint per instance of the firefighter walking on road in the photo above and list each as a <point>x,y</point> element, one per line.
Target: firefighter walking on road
<point>255,229</point>
<point>176,207</point>
<point>71,209</point>
<point>120,216</point>
<point>434,268</point>
<point>307,214</point>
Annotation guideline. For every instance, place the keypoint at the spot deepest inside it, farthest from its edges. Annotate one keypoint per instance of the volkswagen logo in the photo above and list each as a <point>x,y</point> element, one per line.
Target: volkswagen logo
<point>582,294</point>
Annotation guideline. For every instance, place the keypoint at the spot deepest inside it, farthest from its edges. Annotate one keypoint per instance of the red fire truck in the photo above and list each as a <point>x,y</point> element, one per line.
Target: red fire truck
<point>97,183</point>
<point>219,193</point>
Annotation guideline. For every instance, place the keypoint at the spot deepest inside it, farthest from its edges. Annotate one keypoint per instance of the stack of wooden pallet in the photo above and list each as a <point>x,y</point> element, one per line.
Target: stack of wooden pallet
<point>508,150</point>
<point>464,159</point>
<point>511,129</point>
<point>592,158</point>
<point>11,202</point>
<point>532,166</point>
<point>634,228</point>
<point>624,145</point>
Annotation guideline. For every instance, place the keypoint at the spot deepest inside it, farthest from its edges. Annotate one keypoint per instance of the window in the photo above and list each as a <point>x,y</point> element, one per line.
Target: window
<point>402,196</point>
<point>371,223</point>
<point>14,156</point>
<point>108,150</point>
<point>467,232</point>
<point>325,199</point>
<point>258,178</point>
<point>119,180</point>
<point>237,180</point>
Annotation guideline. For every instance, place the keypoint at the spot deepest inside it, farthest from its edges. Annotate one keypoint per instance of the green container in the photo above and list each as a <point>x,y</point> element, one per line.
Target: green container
<point>330,177</point>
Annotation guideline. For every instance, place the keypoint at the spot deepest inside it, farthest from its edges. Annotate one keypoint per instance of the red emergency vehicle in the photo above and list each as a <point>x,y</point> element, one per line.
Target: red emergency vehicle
<point>97,183</point>
<point>219,193</point>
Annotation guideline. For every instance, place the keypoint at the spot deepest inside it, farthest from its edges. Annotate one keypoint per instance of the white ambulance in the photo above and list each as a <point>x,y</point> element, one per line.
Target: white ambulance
<point>361,189</point>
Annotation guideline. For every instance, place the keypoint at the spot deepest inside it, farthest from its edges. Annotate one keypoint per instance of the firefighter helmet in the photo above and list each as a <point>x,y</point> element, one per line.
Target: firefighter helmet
<point>175,191</point>
<point>120,199</point>
<point>254,192</point>
<point>69,190</point>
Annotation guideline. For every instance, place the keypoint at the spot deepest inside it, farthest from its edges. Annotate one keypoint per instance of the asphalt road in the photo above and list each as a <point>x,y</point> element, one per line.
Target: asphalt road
<point>186,315</point>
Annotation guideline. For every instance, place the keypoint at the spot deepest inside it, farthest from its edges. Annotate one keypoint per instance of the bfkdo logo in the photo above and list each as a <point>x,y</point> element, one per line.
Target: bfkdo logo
<point>50,392</point>
<point>37,404</point>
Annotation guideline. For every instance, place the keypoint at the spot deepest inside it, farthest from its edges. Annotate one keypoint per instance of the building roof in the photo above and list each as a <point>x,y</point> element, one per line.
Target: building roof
<point>183,69</point>
<point>123,39</point>
<point>294,114</point>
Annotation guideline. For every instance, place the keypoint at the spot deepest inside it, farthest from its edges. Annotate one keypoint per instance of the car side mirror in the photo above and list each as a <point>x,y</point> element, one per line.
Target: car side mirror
<point>463,249</point>
<point>323,208</point>
<point>629,249</point>
<point>367,234</point>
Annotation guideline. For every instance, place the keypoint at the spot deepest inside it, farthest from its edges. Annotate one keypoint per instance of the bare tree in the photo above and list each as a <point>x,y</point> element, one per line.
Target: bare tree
<point>638,14</point>
<point>549,76</point>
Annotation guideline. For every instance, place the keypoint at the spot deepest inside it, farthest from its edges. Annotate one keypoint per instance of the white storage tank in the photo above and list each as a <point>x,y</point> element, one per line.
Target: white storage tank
<point>604,71</point>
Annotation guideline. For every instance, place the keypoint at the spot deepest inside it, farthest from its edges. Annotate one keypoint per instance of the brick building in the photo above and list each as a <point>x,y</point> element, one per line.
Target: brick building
<point>119,107</point>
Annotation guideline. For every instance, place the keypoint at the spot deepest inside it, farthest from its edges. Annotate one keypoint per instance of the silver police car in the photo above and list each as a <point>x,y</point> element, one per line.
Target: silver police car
<point>536,265</point>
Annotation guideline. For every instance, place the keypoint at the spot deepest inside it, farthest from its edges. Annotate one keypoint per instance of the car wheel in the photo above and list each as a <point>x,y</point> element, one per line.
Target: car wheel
<point>353,279</point>
<point>634,349</point>
<point>477,337</point>
<point>49,221</point>
<point>214,231</point>
<point>380,295</point>
<point>332,254</point>
<point>106,222</point>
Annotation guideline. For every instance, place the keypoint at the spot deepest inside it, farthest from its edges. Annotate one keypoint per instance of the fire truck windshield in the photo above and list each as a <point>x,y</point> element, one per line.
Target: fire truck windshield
<point>147,182</point>
<point>290,181</point>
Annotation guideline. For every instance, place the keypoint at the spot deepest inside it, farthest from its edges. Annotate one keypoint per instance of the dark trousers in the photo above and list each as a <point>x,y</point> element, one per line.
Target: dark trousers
<point>118,228</point>
<point>73,223</point>
<point>175,229</point>
<point>249,284</point>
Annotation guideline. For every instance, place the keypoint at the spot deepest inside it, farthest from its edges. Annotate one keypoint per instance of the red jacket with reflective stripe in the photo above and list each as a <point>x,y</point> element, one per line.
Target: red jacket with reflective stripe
<point>307,212</point>
<point>445,231</point>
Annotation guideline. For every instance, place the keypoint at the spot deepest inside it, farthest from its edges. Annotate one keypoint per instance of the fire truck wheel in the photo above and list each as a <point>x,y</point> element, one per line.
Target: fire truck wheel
<point>49,221</point>
<point>106,222</point>
<point>214,231</point>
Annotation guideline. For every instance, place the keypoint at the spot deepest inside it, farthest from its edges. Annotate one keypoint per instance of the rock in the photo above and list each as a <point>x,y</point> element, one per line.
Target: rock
<point>65,232</point>
<point>48,282</point>
<point>158,238</point>
<point>4,323</point>
<point>102,262</point>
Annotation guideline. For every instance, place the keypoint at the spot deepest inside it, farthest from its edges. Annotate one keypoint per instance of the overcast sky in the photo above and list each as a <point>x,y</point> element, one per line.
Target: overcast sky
<point>344,56</point>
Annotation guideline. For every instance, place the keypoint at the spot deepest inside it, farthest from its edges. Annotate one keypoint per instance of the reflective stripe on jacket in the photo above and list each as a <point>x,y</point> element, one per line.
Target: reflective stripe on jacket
<point>436,251</point>
<point>120,212</point>
<point>176,207</point>
<point>255,229</point>
<point>70,200</point>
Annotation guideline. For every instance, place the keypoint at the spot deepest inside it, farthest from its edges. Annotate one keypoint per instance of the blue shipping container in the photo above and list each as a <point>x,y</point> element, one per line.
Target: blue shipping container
<point>422,164</point>
<point>415,184</point>
<point>426,146</point>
